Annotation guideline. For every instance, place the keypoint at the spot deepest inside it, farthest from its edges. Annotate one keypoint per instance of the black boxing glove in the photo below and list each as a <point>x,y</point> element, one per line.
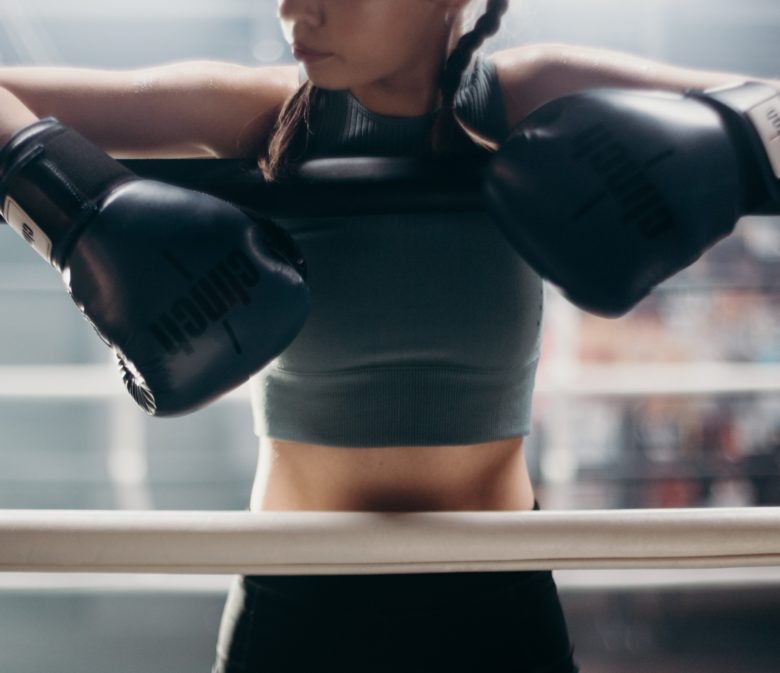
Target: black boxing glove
<point>608,192</point>
<point>192,294</point>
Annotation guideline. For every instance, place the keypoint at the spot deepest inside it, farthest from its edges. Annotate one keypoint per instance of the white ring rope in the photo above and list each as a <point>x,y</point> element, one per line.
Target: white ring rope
<point>99,381</point>
<point>308,543</point>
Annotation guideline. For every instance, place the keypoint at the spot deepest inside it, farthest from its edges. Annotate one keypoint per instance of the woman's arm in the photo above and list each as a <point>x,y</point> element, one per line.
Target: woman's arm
<point>186,109</point>
<point>533,75</point>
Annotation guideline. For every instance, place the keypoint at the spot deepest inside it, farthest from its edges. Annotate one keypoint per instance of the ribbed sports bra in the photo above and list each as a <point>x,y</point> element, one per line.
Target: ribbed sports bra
<point>424,328</point>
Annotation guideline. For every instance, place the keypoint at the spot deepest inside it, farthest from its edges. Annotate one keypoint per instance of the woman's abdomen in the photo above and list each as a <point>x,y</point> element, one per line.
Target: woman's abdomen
<point>294,476</point>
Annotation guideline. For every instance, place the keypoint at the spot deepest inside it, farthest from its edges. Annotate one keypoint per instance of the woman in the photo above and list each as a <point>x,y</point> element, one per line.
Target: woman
<point>409,387</point>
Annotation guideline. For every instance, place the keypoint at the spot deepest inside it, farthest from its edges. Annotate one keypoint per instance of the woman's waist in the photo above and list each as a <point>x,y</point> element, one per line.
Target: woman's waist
<point>300,476</point>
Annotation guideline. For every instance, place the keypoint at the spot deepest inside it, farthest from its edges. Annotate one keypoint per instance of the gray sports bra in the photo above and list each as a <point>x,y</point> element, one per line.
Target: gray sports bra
<point>424,329</point>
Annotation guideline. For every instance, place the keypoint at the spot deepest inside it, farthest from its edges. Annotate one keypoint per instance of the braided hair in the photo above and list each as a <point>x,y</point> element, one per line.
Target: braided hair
<point>449,134</point>
<point>288,141</point>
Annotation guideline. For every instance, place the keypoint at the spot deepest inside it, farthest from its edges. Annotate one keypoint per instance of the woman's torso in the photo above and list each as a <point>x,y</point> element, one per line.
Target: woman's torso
<point>294,475</point>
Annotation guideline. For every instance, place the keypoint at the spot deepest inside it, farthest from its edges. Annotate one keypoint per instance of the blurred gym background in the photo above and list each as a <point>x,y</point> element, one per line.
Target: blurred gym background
<point>675,405</point>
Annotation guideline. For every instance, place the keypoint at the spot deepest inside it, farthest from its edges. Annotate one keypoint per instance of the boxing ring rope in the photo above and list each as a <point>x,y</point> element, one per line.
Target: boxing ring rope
<point>328,543</point>
<point>98,381</point>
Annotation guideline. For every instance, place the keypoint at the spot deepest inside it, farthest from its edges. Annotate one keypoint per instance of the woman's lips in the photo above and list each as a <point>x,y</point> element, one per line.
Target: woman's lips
<point>307,55</point>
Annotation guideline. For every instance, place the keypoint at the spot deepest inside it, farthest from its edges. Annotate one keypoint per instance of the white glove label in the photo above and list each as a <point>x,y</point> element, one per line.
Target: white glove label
<point>23,225</point>
<point>766,119</point>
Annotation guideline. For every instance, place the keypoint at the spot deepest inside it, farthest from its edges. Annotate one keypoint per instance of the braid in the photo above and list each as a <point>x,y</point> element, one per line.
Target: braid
<point>449,135</point>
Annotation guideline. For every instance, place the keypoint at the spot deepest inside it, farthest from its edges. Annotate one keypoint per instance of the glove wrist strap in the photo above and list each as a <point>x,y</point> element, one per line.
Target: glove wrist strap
<point>51,180</point>
<point>758,104</point>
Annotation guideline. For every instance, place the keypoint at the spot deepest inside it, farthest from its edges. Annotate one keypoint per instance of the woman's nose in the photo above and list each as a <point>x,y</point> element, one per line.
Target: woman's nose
<point>308,11</point>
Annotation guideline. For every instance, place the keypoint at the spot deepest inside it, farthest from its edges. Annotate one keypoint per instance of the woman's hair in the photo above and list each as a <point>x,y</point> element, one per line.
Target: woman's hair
<point>288,140</point>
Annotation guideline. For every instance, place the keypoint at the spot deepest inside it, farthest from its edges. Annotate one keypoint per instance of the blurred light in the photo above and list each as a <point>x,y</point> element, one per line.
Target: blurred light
<point>762,236</point>
<point>559,465</point>
<point>268,50</point>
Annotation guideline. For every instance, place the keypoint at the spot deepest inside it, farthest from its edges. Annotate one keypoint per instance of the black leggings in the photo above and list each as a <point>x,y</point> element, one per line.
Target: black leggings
<point>497,622</point>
